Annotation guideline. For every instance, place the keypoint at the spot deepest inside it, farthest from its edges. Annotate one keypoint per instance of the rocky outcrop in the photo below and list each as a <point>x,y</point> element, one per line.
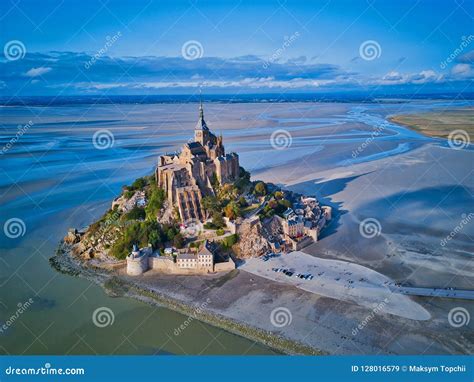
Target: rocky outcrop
<point>72,236</point>
<point>252,241</point>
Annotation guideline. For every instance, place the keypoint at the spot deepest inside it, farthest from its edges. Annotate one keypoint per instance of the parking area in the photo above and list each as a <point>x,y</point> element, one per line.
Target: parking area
<point>336,279</point>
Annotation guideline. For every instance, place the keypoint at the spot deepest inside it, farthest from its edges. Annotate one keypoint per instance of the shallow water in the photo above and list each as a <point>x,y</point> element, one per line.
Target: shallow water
<point>53,178</point>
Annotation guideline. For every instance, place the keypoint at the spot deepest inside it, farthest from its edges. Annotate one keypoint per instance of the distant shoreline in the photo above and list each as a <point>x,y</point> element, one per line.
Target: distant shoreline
<point>41,101</point>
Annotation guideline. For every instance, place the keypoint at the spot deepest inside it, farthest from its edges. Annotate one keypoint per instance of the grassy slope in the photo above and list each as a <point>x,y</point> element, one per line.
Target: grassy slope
<point>439,124</point>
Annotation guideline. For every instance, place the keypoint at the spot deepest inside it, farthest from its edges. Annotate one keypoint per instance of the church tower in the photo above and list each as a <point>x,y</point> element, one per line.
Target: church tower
<point>201,131</point>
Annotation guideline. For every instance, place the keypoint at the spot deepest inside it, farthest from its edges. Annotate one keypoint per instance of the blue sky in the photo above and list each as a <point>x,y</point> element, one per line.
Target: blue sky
<point>174,47</point>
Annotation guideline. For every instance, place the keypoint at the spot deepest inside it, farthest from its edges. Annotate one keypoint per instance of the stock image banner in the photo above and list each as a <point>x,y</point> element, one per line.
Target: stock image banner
<point>258,190</point>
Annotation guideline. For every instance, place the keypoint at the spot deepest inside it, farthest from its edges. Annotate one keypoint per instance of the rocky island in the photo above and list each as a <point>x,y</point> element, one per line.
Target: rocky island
<point>198,215</point>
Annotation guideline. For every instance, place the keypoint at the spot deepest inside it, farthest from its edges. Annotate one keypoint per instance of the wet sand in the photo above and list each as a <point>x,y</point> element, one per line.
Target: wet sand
<point>415,186</point>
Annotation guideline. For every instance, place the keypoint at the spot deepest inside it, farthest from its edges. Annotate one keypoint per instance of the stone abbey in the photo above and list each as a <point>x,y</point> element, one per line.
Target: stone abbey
<point>188,176</point>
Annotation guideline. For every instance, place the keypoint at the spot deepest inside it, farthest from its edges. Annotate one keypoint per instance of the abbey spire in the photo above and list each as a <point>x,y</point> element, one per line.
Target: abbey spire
<point>201,131</point>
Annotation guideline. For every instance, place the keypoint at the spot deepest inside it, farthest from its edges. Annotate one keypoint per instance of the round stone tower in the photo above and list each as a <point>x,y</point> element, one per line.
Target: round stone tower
<point>137,262</point>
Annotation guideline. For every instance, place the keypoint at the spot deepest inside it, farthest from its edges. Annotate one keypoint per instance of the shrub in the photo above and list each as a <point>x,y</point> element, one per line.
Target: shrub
<point>220,232</point>
<point>229,241</point>
<point>128,194</point>
<point>136,213</point>
<point>209,225</point>
<point>156,198</point>
<point>139,184</point>
<point>242,202</point>
<point>195,244</point>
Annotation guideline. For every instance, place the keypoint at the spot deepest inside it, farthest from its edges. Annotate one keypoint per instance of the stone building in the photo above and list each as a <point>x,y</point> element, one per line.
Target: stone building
<point>188,176</point>
<point>293,227</point>
<point>202,262</point>
<point>186,261</point>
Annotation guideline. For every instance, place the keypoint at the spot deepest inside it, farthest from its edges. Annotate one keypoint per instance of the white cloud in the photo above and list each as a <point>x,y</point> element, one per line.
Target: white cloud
<point>396,78</point>
<point>35,72</point>
<point>392,76</point>
<point>462,71</point>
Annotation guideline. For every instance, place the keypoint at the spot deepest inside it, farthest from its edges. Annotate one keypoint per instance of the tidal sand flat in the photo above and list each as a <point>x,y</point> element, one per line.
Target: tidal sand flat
<point>439,123</point>
<point>346,154</point>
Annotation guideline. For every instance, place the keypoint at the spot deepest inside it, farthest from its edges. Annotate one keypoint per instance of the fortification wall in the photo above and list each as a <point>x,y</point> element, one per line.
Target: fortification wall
<point>224,267</point>
<point>303,243</point>
<point>167,265</point>
<point>162,263</point>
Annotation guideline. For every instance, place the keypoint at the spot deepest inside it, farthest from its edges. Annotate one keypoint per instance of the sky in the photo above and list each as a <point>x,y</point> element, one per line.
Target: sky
<point>97,47</point>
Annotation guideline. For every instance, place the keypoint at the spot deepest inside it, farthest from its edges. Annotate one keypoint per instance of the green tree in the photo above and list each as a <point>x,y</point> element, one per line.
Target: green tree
<point>273,204</point>
<point>171,233</point>
<point>229,241</point>
<point>178,241</point>
<point>260,189</point>
<point>243,180</point>
<point>210,204</point>
<point>218,220</point>
<point>279,195</point>
<point>232,211</point>
<point>242,202</point>
<point>139,184</point>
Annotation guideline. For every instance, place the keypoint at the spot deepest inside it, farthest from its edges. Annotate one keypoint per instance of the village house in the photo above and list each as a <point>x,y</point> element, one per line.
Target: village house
<point>303,223</point>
